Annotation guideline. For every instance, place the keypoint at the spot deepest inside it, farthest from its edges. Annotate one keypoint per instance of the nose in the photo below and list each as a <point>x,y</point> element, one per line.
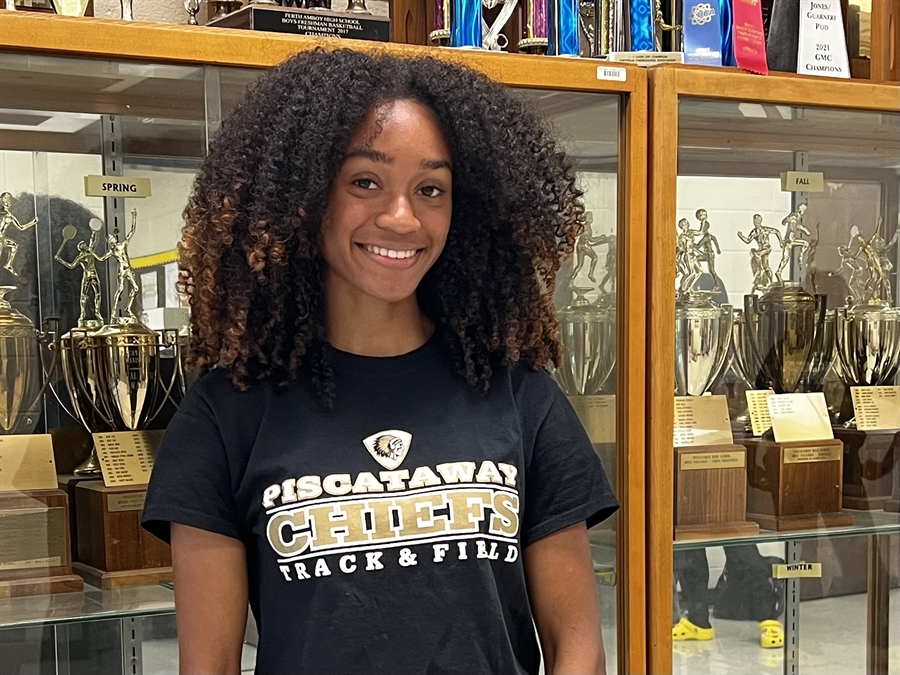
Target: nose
<point>398,216</point>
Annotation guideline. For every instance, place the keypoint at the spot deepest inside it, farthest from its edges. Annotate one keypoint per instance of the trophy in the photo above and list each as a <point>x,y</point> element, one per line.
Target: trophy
<point>114,383</point>
<point>588,329</point>
<point>868,347</point>
<point>785,342</point>
<point>34,515</point>
<point>710,480</point>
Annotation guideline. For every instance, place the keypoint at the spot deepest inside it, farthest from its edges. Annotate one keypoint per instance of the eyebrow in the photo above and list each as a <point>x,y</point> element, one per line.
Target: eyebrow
<point>378,156</point>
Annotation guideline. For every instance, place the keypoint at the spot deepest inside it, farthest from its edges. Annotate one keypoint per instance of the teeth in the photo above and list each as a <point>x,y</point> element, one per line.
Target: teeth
<point>390,253</point>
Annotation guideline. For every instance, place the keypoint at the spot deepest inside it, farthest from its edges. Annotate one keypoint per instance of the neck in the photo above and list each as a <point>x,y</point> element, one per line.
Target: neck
<point>365,326</point>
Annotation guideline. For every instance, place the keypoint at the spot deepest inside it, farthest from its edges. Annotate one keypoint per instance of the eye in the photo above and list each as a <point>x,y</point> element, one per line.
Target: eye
<point>365,183</point>
<point>430,191</point>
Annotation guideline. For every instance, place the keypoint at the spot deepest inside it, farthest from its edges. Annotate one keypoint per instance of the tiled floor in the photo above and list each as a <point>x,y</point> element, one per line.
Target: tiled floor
<point>832,642</point>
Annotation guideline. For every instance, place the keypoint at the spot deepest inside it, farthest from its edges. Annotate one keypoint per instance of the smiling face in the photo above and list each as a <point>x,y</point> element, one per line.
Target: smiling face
<point>388,213</point>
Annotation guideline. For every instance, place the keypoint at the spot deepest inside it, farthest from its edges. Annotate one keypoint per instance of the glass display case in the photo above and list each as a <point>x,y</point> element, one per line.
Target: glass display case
<point>774,344</point>
<point>102,128</point>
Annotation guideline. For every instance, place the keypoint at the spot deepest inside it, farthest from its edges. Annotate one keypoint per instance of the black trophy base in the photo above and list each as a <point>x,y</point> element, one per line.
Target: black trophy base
<point>320,22</point>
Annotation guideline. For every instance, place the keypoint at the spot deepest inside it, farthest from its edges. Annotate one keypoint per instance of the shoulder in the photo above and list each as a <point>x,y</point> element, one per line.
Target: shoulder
<point>214,394</point>
<point>535,391</point>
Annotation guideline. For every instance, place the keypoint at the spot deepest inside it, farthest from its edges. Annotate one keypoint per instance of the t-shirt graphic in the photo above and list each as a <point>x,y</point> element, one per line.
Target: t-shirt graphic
<point>387,534</point>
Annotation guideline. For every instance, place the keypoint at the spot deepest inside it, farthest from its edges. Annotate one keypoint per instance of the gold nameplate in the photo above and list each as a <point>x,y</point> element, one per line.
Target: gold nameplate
<point>802,181</point>
<point>819,453</point>
<point>33,537</point>
<point>27,463</point>
<point>800,417</point>
<point>734,459</point>
<point>800,570</point>
<point>598,415</point>
<point>876,408</point>
<point>646,58</point>
<point>757,403</point>
<point>130,501</point>
<point>126,457</point>
<point>701,420</point>
<point>116,186</point>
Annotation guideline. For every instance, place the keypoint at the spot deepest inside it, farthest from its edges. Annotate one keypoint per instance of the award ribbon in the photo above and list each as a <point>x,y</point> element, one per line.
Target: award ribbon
<point>465,24</point>
<point>823,47</point>
<point>564,38</point>
<point>642,22</point>
<point>749,37</point>
<point>702,33</point>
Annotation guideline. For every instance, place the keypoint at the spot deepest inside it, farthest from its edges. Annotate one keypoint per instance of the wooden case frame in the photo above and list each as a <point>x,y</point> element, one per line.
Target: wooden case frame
<point>130,41</point>
<point>668,84</point>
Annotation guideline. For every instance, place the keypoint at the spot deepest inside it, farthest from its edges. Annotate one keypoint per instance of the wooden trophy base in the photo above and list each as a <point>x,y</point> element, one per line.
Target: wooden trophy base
<point>711,492</point>
<point>124,579</point>
<point>113,550</point>
<point>869,459</point>
<point>35,556</point>
<point>62,583</point>
<point>795,485</point>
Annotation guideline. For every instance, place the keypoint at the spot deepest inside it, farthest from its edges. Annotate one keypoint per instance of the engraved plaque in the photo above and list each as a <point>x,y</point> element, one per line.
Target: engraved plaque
<point>735,459</point>
<point>129,501</point>
<point>33,538</point>
<point>813,453</point>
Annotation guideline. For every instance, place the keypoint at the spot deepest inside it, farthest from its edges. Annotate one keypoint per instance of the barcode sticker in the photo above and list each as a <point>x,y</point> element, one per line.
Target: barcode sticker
<point>607,73</point>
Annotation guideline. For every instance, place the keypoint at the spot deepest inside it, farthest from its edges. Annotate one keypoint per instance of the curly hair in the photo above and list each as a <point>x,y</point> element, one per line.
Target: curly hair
<point>250,253</point>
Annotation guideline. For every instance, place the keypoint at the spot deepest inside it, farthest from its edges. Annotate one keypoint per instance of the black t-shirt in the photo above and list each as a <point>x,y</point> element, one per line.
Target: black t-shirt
<point>386,535</point>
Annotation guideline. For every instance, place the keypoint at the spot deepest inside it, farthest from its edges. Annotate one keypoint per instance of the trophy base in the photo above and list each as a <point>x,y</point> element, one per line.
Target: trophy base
<point>795,485</point>
<point>892,506</point>
<point>319,22</point>
<point>869,460</point>
<point>67,483</point>
<point>711,492</point>
<point>61,583</point>
<point>110,537</point>
<point>35,555</point>
<point>740,528</point>
<point>808,522</point>
<point>123,578</point>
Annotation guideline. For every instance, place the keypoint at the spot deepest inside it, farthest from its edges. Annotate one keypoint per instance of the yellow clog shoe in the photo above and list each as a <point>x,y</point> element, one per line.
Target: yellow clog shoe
<point>685,630</point>
<point>771,634</point>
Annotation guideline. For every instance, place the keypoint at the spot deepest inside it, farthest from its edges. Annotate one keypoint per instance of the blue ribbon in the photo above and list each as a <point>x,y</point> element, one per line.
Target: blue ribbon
<point>563,37</point>
<point>641,14</point>
<point>703,40</point>
<point>465,24</point>
<point>727,40</point>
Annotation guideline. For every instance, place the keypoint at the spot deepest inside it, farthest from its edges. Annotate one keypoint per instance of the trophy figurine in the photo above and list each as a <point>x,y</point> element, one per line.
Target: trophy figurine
<point>588,329</point>
<point>868,347</point>
<point>7,243</point>
<point>87,259</point>
<point>763,277</point>
<point>793,228</point>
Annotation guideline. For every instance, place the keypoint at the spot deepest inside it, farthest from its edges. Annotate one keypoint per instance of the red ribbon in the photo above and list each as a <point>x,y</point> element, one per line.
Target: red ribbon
<point>749,36</point>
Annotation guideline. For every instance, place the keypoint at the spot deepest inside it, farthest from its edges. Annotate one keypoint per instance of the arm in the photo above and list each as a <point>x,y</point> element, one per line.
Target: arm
<point>210,600</point>
<point>744,239</point>
<point>560,576</point>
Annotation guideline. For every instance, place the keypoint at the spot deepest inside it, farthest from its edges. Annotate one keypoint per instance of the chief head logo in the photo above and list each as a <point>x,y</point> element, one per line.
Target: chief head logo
<point>389,448</point>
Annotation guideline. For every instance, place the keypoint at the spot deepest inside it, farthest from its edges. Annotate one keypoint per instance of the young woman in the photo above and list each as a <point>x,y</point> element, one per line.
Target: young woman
<point>376,458</point>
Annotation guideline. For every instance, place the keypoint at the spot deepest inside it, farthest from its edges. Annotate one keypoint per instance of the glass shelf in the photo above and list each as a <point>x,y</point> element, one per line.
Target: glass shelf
<point>865,523</point>
<point>91,605</point>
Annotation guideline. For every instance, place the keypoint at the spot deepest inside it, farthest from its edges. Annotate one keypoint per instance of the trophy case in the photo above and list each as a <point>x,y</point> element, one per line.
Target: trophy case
<point>775,323</point>
<point>133,106</point>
